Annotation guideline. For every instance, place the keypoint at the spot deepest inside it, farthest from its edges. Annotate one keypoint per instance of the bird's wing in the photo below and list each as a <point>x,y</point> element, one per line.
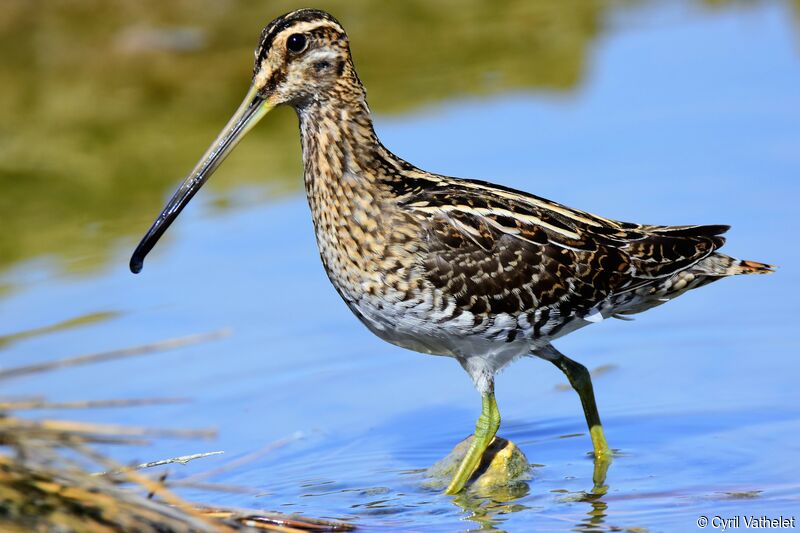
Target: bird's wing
<point>508,250</point>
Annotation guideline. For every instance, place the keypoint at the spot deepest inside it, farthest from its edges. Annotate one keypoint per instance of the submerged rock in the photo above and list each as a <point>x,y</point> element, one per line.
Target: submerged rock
<point>504,468</point>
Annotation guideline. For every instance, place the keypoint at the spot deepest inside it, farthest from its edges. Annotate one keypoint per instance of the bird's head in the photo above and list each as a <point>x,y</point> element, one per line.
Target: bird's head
<point>302,57</point>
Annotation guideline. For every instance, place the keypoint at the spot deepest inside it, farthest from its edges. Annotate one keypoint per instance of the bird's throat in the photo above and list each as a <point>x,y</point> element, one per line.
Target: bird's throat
<point>338,140</point>
<point>340,155</point>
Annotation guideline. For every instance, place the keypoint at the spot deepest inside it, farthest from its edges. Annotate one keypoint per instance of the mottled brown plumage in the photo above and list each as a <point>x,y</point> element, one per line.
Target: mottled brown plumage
<point>448,266</point>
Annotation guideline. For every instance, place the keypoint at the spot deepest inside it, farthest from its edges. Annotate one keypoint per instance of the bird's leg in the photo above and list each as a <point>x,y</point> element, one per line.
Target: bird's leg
<point>485,430</point>
<point>581,381</point>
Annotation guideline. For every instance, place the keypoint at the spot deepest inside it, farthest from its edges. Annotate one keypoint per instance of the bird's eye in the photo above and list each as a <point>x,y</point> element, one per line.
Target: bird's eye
<point>296,43</point>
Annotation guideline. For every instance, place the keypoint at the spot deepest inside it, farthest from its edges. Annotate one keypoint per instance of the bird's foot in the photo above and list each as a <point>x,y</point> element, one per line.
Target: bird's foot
<point>601,464</point>
<point>485,430</point>
<point>502,470</point>
<point>602,458</point>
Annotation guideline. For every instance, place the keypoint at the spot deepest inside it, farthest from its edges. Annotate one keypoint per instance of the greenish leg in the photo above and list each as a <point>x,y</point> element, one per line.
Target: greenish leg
<point>581,381</point>
<point>485,430</point>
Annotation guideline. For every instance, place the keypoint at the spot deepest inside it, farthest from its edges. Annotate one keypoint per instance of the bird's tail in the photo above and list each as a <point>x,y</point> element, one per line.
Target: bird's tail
<point>723,265</point>
<point>752,267</point>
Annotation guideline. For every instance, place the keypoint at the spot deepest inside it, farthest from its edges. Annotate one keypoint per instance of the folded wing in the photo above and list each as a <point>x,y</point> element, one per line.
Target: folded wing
<point>502,250</point>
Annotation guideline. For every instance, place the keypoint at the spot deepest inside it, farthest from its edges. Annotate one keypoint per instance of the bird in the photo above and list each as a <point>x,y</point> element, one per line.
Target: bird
<point>446,266</point>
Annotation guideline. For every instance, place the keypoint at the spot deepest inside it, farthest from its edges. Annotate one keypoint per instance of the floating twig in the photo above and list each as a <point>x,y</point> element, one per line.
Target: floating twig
<point>183,459</point>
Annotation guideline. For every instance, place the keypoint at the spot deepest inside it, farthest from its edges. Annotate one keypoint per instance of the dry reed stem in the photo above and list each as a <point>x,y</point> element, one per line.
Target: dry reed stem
<point>111,355</point>
<point>39,403</point>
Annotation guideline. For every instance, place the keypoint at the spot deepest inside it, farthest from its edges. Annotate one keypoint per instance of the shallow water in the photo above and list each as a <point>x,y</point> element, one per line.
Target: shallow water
<point>677,113</point>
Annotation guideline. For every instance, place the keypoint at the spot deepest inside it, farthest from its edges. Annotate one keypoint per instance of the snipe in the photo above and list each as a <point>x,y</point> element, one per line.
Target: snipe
<point>448,266</point>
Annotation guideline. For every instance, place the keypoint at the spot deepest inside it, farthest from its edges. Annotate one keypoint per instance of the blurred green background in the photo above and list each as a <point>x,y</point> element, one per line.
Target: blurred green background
<point>105,105</point>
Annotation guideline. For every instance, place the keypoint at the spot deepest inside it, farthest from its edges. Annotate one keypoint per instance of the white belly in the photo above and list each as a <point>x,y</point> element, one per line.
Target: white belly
<point>416,327</point>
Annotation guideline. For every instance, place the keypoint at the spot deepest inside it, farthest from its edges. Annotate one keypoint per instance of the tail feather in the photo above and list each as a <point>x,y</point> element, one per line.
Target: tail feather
<point>707,230</point>
<point>753,267</point>
<point>723,265</point>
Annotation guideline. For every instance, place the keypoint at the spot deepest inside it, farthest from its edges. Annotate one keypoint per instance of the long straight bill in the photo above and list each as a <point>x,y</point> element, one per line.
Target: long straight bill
<point>252,109</point>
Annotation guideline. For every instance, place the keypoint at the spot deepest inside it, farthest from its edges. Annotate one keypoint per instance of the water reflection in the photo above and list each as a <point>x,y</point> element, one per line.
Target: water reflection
<point>488,511</point>
<point>596,517</point>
